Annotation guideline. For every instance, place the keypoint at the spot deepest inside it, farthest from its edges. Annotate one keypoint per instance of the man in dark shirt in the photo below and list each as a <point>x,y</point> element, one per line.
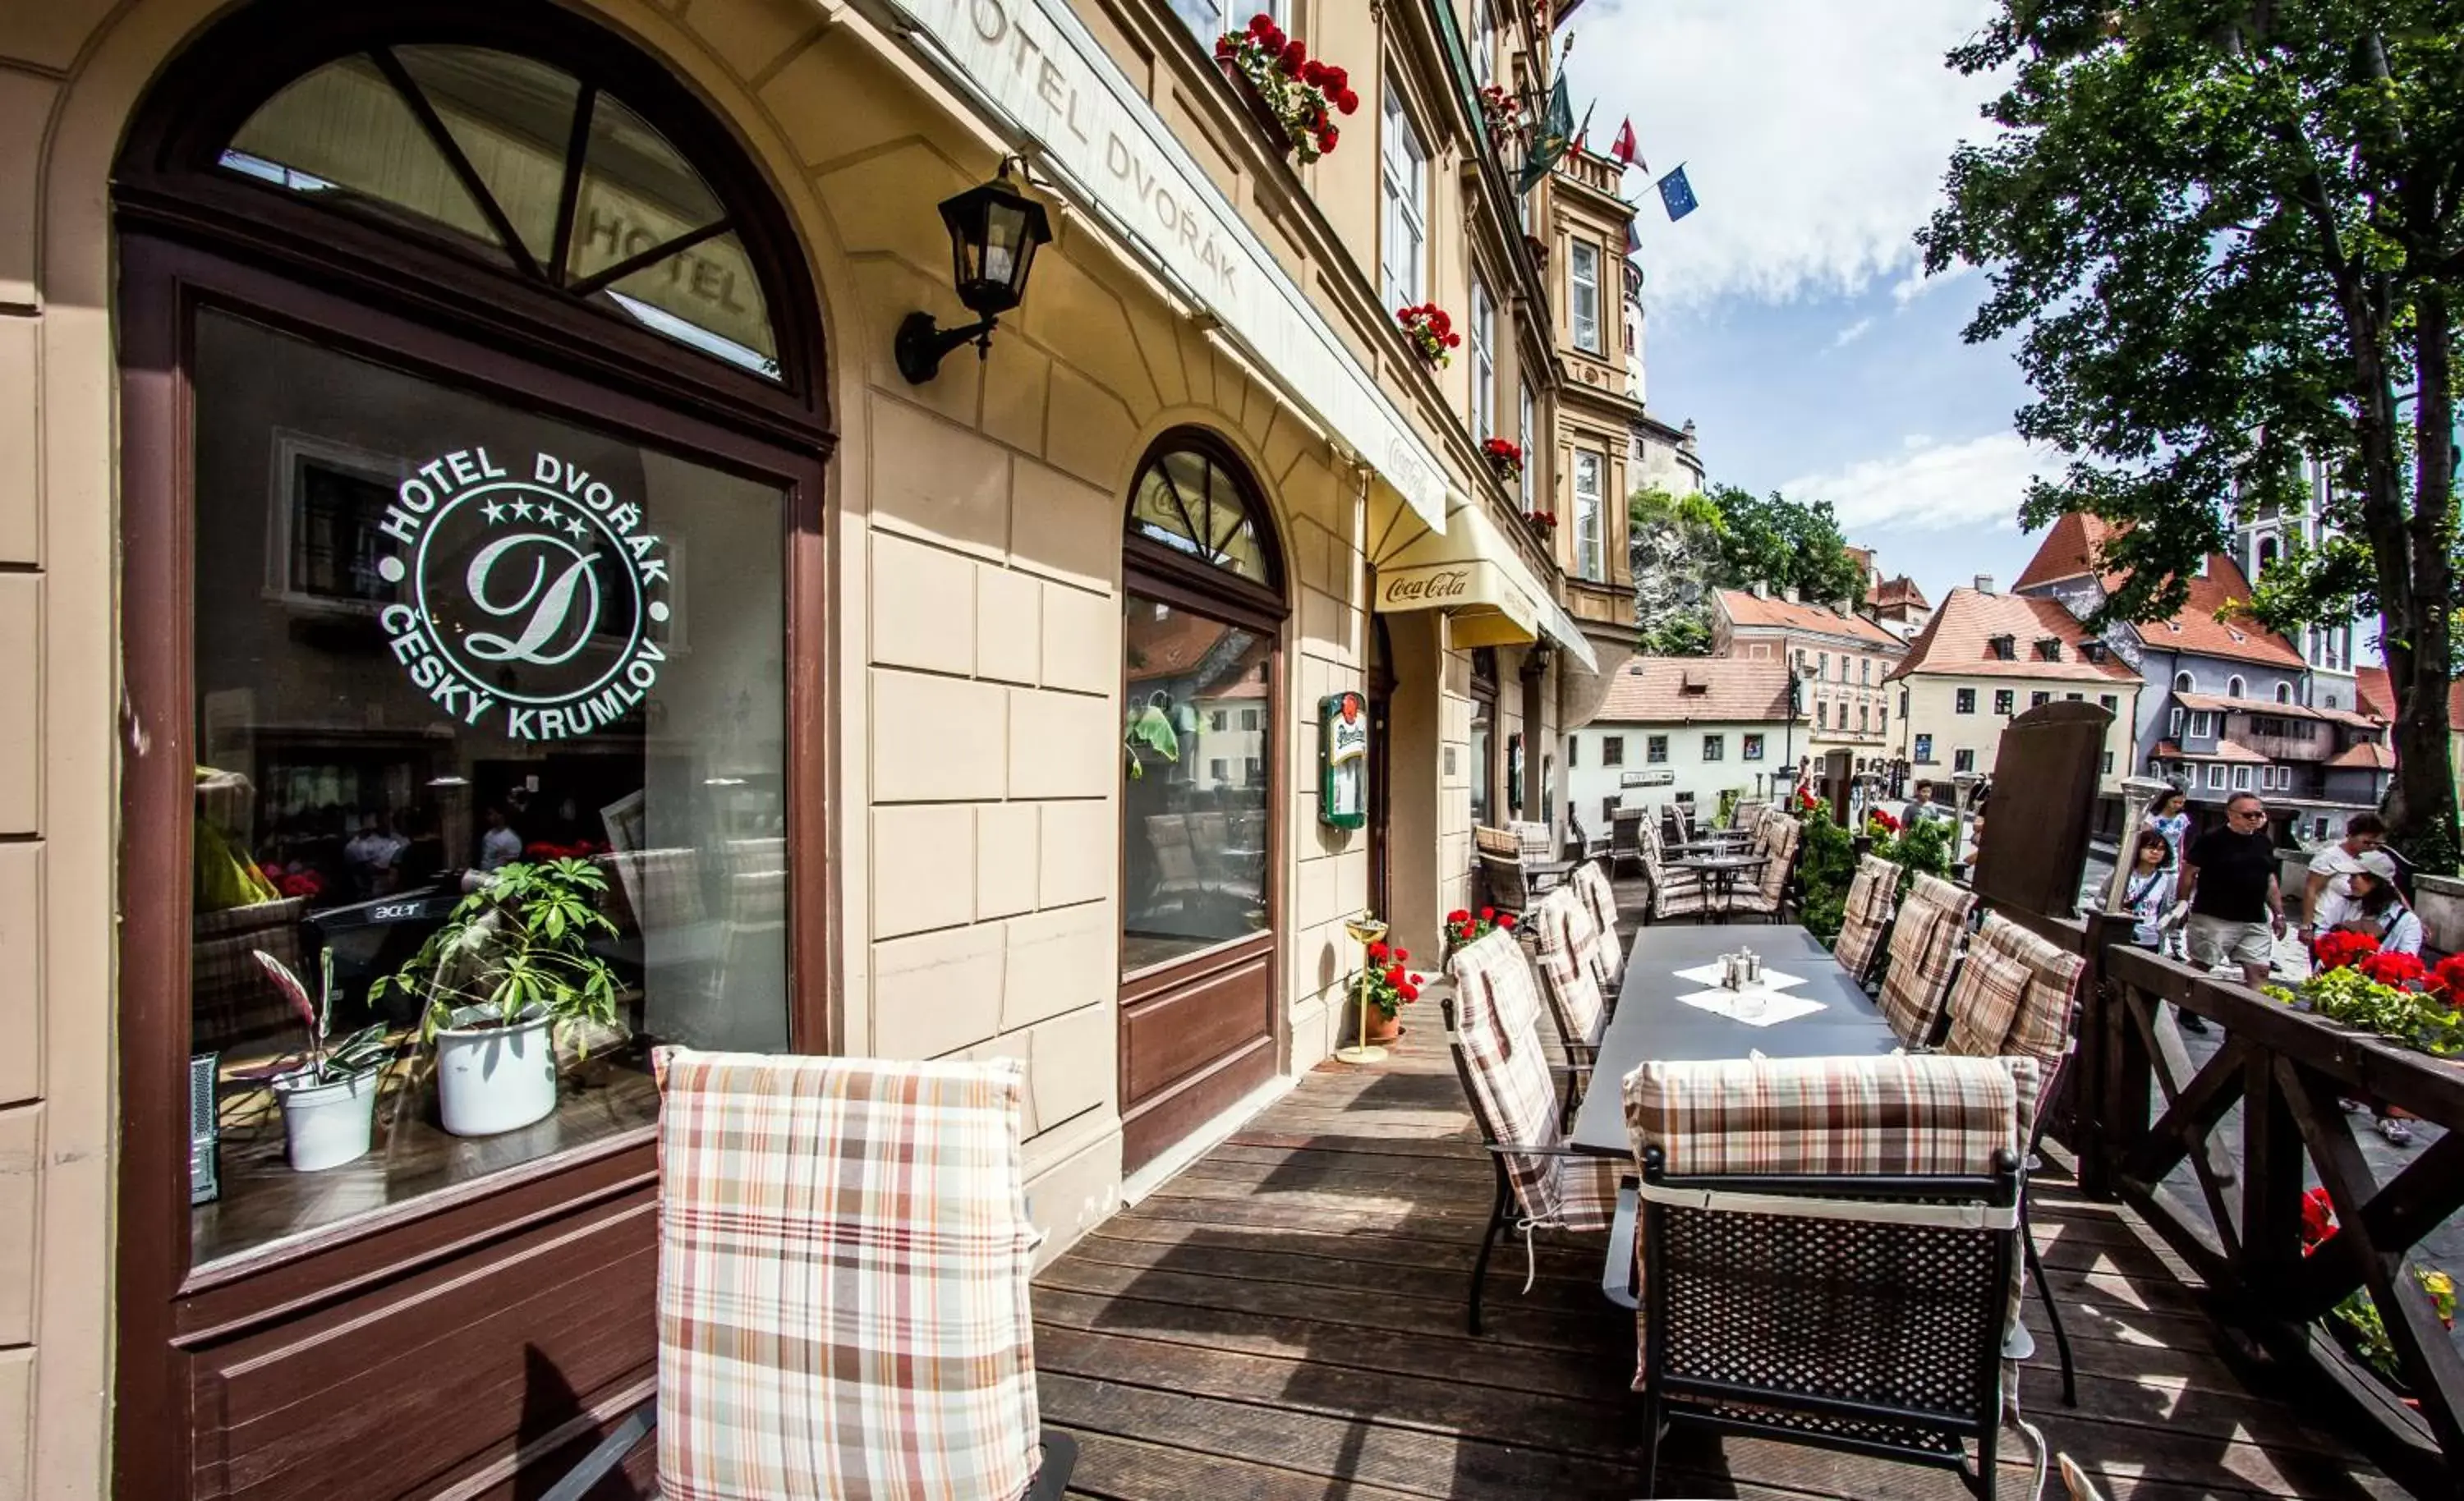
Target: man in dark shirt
<point>2229,879</point>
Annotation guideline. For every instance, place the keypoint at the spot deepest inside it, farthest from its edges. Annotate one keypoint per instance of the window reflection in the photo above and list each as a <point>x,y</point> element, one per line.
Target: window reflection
<point>435,636</point>
<point>1195,741</point>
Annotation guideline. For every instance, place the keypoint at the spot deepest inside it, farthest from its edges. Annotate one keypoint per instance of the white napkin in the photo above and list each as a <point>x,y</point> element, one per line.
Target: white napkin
<point>1776,1007</point>
<point>1709,975</point>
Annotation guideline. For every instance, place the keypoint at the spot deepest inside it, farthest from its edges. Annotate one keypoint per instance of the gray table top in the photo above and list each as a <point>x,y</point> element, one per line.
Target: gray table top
<point>1650,1022</point>
<point>1719,861</point>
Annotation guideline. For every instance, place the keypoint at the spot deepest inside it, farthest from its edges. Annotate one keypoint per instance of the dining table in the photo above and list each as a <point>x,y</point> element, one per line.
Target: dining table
<point>1720,872</point>
<point>1650,1020</point>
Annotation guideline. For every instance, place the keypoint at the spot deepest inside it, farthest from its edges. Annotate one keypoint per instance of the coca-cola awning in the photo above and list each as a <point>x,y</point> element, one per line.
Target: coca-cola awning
<point>1491,596</point>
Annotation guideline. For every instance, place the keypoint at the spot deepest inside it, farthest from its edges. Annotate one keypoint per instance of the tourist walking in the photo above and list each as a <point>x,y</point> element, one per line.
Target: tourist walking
<point>2236,908</point>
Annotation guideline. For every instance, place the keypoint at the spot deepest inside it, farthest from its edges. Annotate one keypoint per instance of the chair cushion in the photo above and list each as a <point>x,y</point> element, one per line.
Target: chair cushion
<point>1924,947</point>
<point>844,1252</point>
<point>1901,1114</point>
<point>1986,1000</point>
<point>1865,913</point>
<point>1566,949</point>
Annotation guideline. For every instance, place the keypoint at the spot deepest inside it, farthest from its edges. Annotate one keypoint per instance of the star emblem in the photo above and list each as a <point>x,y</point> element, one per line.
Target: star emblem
<point>577,528</point>
<point>493,511</point>
<point>551,516</point>
<point>522,509</point>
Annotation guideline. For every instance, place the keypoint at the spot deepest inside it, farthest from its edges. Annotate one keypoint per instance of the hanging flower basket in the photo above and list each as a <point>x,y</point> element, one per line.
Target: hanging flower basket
<point>1503,114</point>
<point>1293,96</point>
<point>1505,457</point>
<point>1431,330</point>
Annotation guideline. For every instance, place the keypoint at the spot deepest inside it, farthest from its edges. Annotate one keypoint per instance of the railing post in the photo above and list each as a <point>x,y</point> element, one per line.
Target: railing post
<point>2270,1189</point>
<point>2110,1103</point>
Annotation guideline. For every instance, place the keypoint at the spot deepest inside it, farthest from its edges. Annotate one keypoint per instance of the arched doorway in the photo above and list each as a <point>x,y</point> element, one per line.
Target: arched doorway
<point>1202,589</point>
<point>471,519</point>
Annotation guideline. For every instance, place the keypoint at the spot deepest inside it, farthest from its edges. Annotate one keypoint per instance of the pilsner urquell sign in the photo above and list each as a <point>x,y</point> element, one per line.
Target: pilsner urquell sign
<point>1343,760</point>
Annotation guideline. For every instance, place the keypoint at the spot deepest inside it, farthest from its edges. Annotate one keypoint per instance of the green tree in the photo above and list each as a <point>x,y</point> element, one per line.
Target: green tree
<point>1788,544</point>
<point>2228,237</point>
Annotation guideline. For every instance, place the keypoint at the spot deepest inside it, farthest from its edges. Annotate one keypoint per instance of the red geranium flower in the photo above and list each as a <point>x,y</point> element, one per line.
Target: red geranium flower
<point>1396,975</point>
<point>1459,915</point>
<point>1409,990</point>
<point>1506,919</point>
<point>2447,980</point>
<point>1402,953</point>
<point>1314,72</point>
<point>1294,56</point>
<point>1337,79</point>
<point>2318,1220</point>
<point>1261,24</point>
<point>1378,953</point>
<point>1488,914</point>
<point>1347,100</point>
<point>2335,950</point>
<point>2392,968</point>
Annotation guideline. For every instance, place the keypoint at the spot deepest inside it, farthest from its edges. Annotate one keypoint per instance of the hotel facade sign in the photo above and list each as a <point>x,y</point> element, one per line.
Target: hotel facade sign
<point>1040,65</point>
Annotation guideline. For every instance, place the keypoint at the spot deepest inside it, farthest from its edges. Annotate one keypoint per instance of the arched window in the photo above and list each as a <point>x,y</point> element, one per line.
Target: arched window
<point>1203,715</point>
<point>2267,554</point>
<point>2284,693</point>
<point>470,517</point>
<point>2181,683</point>
<point>2235,686</point>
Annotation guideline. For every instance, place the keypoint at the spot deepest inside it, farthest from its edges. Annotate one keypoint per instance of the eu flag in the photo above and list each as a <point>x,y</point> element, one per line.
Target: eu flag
<point>1676,195</point>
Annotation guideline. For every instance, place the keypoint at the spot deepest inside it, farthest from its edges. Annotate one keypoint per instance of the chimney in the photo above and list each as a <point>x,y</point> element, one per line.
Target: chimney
<point>1790,593</point>
<point>1985,583</point>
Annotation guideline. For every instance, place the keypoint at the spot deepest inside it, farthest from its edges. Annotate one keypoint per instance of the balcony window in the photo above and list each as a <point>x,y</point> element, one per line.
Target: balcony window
<point>1404,172</point>
<point>1583,296</point>
<point>1590,520</point>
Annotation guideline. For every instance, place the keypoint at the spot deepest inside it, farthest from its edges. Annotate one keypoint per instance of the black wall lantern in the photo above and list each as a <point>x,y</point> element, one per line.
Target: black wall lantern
<point>994,231</point>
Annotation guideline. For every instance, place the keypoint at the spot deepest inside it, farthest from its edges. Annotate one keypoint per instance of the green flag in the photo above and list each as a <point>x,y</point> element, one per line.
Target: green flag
<point>1550,138</point>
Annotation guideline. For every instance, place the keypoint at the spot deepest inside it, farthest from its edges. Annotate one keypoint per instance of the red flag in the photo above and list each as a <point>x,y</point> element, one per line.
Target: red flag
<point>1625,149</point>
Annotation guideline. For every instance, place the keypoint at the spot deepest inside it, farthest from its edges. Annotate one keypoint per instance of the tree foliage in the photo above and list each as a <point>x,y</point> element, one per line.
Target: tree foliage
<point>1788,544</point>
<point>2227,234</point>
<point>1673,540</point>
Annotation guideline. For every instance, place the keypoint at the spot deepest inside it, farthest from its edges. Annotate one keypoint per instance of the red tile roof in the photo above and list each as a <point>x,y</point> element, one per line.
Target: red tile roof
<point>2074,548</point>
<point>2368,752</point>
<point>2231,750</point>
<point>1656,691</point>
<point>2375,691</point>
<point>1900,590</point>
<point>1751,610</point>
<point>2070,549</point>
<point>1954,641</point>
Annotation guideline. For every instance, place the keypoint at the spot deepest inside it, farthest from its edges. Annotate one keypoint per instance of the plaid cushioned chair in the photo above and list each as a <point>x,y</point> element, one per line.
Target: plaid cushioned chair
<point>844,1252</point>
<point>1925,950</point>
<point>1567,949</point>
<point>1768,898</point>
<point>1493,1025</point>
<point>1866,915</point>
<point>2014,998</point>
<point>1827,1248</point>
<point>1674,893</point>
<point>1599,897</point>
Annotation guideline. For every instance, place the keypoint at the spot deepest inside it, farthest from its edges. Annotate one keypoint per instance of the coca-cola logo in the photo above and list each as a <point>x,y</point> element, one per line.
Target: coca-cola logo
<point>1446,583</point>
<point>533,597</point>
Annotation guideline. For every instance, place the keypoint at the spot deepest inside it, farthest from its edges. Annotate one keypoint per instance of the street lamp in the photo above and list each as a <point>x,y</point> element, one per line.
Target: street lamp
<point>994,231</point>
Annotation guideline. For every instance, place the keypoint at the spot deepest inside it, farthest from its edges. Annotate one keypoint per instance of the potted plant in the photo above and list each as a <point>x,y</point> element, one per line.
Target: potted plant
<point>511,967</point>
<point>2355,1323</point>
<point>1431,330</point>
<point>1505,457</point>
<point>1293,96</point>
<point>1503,114</point>
<point>1465,928</point>
<point>2356,985</point>
<point>329,1104</point>
<point>1544,522</point>
<point>1389,986</point>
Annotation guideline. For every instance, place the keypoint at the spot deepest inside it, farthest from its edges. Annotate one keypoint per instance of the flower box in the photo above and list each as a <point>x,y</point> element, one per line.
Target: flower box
<point>1293,97</point>
<point>1505,457</point>
<point>1431,330</point>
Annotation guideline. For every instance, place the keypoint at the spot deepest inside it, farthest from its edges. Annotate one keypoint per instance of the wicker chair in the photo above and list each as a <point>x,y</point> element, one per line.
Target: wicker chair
<point>1865,917</point>
<point>1843,1279</point>
<point>1674,893</point>
<point>1492,1028</point>
<point>877,1211</point>
<point>2014,998</point>
<point>1924,951</point>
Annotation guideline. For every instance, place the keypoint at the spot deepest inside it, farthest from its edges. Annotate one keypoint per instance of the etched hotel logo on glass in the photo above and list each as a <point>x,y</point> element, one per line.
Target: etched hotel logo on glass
<point>533,595</point>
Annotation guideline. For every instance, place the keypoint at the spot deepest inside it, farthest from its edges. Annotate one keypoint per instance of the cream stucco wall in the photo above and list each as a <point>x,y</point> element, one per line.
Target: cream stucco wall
<point>974,529</point>
<point>1933,711</point>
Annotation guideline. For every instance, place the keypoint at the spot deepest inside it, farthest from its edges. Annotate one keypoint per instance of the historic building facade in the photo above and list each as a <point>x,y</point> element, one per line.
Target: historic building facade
<point>443,434</point>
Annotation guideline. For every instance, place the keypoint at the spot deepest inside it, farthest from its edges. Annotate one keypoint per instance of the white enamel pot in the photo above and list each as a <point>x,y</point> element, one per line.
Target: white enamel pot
<point>325,1125</point>
<point>492,1076</point>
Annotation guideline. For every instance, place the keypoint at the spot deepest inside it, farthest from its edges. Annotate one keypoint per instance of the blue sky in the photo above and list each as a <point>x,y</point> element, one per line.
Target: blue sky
<point>1786,317</point>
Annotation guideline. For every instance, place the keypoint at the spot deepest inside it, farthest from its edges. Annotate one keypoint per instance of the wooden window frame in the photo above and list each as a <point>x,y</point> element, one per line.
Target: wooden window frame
<point>194,237</point>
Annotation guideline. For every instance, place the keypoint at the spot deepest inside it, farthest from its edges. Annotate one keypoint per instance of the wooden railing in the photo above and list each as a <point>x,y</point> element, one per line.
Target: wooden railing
<point>2142,1120</point>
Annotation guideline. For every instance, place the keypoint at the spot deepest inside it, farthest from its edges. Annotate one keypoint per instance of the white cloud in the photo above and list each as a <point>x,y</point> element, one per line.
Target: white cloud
<point>1931,486</point>
<point>1814,134</point>
<point>1851,333</point>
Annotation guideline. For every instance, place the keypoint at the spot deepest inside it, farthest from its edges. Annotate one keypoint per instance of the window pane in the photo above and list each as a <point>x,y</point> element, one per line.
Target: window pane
<point>343,135</point>
<point>1484,718</point>
<point>513,118</point>
<point>418,661</point>
<point>1196,798</point>
<point>1188,502</point>
<point>637,191</point>
<point>705,295</point>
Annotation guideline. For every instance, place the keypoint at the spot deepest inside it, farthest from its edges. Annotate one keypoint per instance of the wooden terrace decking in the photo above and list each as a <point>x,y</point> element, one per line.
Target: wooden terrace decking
<point>1285,1320</point>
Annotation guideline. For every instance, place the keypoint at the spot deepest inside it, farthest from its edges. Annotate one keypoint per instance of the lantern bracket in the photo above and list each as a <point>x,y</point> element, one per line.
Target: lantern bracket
<point>922,344</point>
